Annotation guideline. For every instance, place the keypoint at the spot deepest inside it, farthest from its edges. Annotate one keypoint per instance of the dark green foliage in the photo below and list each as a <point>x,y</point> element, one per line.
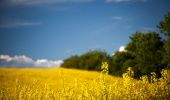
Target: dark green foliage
<point>146,48</point>
<point>164,27</point>
<point>71,62</point>
<point>120,62</point>
<point>166,53</point>
<point>89,61</point>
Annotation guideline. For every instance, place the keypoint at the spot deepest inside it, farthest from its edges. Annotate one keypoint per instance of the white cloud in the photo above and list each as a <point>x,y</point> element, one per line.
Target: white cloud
<point>21,59</point>
<point>47,63</point>
<point>118,1</point>
<point>117,18</point>
<point>5,58</point>
<point>24,61</point>
<point>122,49</point>
<point>40,2</point>
<point>13,24</point>
<point>147,29</point>
<point>28,23</point>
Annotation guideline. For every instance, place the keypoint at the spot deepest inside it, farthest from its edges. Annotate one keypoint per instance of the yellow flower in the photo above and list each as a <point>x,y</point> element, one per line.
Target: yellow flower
<point>104,67</point>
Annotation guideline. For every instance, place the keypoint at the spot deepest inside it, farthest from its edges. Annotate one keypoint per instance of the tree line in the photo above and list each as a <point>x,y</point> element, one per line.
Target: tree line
<point>146,52</point>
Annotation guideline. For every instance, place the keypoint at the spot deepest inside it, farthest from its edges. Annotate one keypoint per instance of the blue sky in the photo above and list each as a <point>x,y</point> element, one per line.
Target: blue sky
<point>56,29</point>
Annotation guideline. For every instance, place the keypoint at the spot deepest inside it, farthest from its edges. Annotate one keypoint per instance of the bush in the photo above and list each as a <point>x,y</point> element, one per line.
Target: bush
<point>91,60</point>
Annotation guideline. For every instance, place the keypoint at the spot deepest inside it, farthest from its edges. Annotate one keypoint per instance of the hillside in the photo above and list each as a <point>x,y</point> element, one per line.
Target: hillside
<point>69,84</point>
<point>53,76</point>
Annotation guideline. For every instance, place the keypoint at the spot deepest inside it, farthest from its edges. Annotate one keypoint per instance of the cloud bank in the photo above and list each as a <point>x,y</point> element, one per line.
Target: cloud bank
<point>24,61</point>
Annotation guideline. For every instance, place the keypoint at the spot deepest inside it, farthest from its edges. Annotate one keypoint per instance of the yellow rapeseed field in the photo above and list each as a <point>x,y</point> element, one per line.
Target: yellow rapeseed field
<point>72,84</point>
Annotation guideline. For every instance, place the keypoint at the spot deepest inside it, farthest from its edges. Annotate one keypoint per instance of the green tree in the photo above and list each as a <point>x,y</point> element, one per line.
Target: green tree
<point>120,62</point>
<point>72,61</point>
<point>164,27</point>
<point>91,60</point>
<point>146,47</point>
<point>166,53</point>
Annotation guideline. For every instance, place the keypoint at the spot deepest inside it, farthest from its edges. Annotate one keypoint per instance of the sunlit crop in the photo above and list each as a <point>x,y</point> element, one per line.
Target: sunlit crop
<point>72,84</point>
